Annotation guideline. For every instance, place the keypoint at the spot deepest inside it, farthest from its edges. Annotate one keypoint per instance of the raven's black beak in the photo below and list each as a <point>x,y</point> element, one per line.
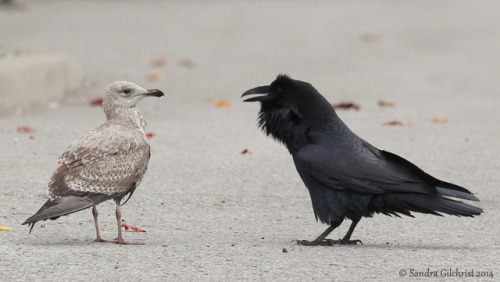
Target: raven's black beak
<point>264,92</point>
<point>154,93</point>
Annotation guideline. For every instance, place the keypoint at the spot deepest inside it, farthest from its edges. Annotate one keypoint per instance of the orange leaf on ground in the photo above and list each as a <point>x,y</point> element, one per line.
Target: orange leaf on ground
<point>439,119</point>
<point>5,228</point>
<point>96,102</point>
<point>370,36</point>
<point>156,77</point>
<point>395,122</point>
<point>386,103</point>
<point>219,103</point>
<point>133,228</point>
<point>160,62</point>
<point>26,129</point>
<point>346,105</point>
<point>223,104</point>
<point>150,135</point>
<point>222,32</point>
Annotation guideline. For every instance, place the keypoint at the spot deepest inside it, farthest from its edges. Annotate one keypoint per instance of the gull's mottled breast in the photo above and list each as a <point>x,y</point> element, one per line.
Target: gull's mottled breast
<point>107,160</point>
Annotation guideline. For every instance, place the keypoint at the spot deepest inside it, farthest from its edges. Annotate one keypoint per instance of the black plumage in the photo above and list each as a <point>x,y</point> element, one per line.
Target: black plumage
<point>346,176</point>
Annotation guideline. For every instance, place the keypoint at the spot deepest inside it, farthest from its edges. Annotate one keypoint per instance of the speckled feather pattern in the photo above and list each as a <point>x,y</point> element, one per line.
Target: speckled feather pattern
<point>107,160</point>
<point>113,158</point>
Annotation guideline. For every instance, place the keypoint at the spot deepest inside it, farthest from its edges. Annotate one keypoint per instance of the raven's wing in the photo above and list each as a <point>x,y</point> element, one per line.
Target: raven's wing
<point>370,171</point>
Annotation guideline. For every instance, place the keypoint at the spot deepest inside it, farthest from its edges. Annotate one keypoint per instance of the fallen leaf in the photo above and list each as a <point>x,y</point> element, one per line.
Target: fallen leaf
<point>246,151</point>
<point>219,103</point>
<point>345,105</point>
<point>25,129</point>
<point>4,228</point>
<point>150,135</point>
<point>395,122</point>
<point>386,103</point>
<point>439,119</point>
<point>222,32</point>
<point>159,62</point>
<point>156,77</point>
<point>187,63</point>
<point>96,102</point>
<point>370,36</point>
<point>133,228</point>
<point>223,104</point>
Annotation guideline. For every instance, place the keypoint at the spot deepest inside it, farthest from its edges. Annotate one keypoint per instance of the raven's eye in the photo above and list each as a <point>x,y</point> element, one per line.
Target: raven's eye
<point>126,90</point>
<point>278,92</point>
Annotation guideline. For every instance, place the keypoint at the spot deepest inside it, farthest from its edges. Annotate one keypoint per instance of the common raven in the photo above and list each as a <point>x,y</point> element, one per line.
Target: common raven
<point>346,176</point>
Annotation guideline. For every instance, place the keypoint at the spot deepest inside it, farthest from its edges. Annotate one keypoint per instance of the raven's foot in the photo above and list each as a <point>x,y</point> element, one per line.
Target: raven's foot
<point>328,242</point>
<point>350,242</point>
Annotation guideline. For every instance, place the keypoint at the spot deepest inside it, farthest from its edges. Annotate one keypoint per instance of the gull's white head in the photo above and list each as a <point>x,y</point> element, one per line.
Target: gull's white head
<point>125,95</point>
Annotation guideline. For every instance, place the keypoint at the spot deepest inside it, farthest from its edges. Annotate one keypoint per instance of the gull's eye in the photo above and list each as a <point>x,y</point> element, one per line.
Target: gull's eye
<point>126,91</point>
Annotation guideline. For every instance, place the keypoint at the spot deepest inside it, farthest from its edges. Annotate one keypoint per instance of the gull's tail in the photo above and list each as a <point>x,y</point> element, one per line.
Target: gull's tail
<point>54,208</point>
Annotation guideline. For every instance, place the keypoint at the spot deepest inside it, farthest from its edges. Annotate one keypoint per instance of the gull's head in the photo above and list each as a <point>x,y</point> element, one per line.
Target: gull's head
<point>125,95</point>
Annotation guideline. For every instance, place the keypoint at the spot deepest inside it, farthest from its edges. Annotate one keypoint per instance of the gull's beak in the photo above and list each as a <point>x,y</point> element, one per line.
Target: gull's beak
<point>153,93</point>
<point>263,94</point>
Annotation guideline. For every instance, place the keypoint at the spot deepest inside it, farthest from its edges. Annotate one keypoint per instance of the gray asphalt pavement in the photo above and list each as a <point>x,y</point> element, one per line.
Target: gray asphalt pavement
<point>213,213</point>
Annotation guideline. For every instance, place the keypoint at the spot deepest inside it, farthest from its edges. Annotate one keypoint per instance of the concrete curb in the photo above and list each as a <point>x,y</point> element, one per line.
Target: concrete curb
<point>33,80</point>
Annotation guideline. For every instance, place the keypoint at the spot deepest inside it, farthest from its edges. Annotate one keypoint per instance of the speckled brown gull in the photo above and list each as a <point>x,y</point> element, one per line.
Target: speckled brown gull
<point>106,163</point>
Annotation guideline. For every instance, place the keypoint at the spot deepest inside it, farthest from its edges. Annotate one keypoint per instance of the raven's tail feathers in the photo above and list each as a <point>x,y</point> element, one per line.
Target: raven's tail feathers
<point>455,191</point>
<point>436,204</point>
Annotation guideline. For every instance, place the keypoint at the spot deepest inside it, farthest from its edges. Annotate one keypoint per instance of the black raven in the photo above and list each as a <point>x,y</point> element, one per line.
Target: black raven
<point>346,176</point>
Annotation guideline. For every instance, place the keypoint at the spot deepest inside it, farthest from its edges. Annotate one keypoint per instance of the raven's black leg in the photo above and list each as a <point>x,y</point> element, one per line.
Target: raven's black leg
<point>346,240</point>
<point>321,237</point>
<point>321,241</point>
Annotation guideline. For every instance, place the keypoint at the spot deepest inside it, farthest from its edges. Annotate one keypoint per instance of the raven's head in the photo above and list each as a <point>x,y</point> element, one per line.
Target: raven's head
<point>289,107</point>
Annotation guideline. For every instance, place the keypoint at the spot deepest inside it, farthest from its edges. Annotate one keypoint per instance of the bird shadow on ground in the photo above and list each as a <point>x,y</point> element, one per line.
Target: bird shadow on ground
<point>409,246</point>
<point>436,246</point>
<point>70,242</point>
<point>48,243</point>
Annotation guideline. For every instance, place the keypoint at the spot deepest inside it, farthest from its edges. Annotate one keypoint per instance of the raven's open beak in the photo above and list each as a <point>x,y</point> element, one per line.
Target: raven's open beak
<point>154,93</point>
<point>263,91</point>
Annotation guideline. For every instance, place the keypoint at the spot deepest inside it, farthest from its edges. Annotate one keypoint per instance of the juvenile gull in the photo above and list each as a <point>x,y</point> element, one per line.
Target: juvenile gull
<point>106,163</point>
